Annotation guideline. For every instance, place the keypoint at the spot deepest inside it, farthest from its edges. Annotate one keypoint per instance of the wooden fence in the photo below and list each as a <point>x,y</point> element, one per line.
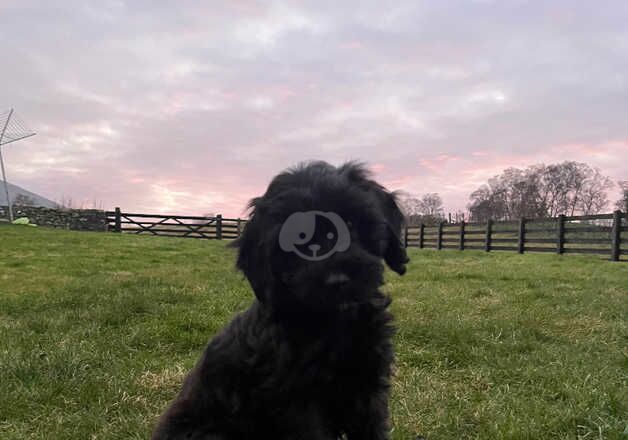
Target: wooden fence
<point>187,226</point>
<point>605,234</point>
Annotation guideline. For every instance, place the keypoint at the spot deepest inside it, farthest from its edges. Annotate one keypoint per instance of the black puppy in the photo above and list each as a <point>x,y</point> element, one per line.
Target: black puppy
<point>311,358</point>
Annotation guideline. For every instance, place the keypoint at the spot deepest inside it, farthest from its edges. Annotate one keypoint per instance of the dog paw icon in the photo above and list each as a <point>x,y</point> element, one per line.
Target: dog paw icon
<point>314,235</point>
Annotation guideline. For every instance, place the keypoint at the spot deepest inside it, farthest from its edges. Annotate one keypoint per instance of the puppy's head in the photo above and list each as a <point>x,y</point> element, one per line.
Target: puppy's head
<point>318,236</point>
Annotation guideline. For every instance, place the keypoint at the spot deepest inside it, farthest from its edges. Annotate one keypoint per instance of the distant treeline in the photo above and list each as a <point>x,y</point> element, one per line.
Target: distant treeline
<point>568,188</point>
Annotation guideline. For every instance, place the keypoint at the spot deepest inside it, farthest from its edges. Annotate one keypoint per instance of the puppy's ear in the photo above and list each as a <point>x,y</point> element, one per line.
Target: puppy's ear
<point>252,259</point>
<point>395,252</point>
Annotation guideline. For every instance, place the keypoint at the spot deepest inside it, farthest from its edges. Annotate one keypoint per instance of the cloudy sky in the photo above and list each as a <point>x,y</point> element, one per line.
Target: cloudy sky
<point>192,106</point>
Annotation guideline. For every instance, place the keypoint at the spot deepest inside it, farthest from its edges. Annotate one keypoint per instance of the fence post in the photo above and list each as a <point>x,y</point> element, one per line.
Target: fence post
<point>238,227</point>
<point>461,244</point>
<point>439,239</point>
<point>219,227</point>
<point>560,242</point>
<point>616,235</point>
<point>421,235</point>
<point>522,235</point>
<point>405,237</point>
<point>487,238</point>
<point>118,220</point>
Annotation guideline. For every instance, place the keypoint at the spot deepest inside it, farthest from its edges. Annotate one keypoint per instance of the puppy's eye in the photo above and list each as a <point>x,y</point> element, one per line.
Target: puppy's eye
<point>330,235</point>
<point>301,235</point>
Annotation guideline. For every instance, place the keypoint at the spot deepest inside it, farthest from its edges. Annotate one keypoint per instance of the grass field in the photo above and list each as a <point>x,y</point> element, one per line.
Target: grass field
<point>97,331</point>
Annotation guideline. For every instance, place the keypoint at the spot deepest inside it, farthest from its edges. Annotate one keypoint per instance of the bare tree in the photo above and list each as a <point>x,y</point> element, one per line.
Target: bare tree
<point>409,205</point>
<point>458,216</point>
<point>541,191</point>
<point>512,194</point>
<point>65,203</point>
<point>593,196</point>
<point>622,203</point>
<point>431,204</point>
<point>98,204</point>
<point>427,209</point>
<point>486,203</point>
<point>23,200</point>
<point>552,190</point>
<point>573,187</point>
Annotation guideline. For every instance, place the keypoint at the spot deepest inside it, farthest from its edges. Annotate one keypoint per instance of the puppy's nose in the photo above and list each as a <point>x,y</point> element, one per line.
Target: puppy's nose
<point>314,248</point>
<point>336,278</point>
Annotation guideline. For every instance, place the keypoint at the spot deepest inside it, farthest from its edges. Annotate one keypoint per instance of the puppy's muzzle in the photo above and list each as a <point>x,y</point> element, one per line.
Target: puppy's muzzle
<point>337,279</point>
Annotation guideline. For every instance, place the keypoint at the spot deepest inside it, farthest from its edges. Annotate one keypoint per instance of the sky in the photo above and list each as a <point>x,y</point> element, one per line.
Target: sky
<point>191,107</point>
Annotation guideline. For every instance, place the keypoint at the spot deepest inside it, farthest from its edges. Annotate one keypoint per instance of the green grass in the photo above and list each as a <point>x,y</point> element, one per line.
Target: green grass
<point>97,331</point>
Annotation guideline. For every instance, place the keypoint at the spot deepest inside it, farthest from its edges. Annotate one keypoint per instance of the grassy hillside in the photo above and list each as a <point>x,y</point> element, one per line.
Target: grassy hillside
<point>97,331</point>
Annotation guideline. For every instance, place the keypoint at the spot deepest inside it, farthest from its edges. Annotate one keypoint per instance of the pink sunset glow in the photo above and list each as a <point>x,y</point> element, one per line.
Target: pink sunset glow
<point>189,108</point>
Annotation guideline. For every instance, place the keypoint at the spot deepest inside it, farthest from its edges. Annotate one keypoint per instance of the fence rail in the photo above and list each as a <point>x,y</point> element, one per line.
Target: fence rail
<point>603,234</point>
<point>186,226</point>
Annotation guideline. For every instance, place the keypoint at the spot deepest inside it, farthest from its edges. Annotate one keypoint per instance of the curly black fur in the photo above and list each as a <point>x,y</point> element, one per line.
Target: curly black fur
<point>307,360</point>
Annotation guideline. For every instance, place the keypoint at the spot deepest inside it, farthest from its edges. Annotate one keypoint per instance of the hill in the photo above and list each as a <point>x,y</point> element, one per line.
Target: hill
<point>17,191</point>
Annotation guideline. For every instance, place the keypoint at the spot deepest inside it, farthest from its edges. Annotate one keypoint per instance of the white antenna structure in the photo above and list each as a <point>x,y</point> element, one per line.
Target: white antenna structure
<point>13,130</point>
